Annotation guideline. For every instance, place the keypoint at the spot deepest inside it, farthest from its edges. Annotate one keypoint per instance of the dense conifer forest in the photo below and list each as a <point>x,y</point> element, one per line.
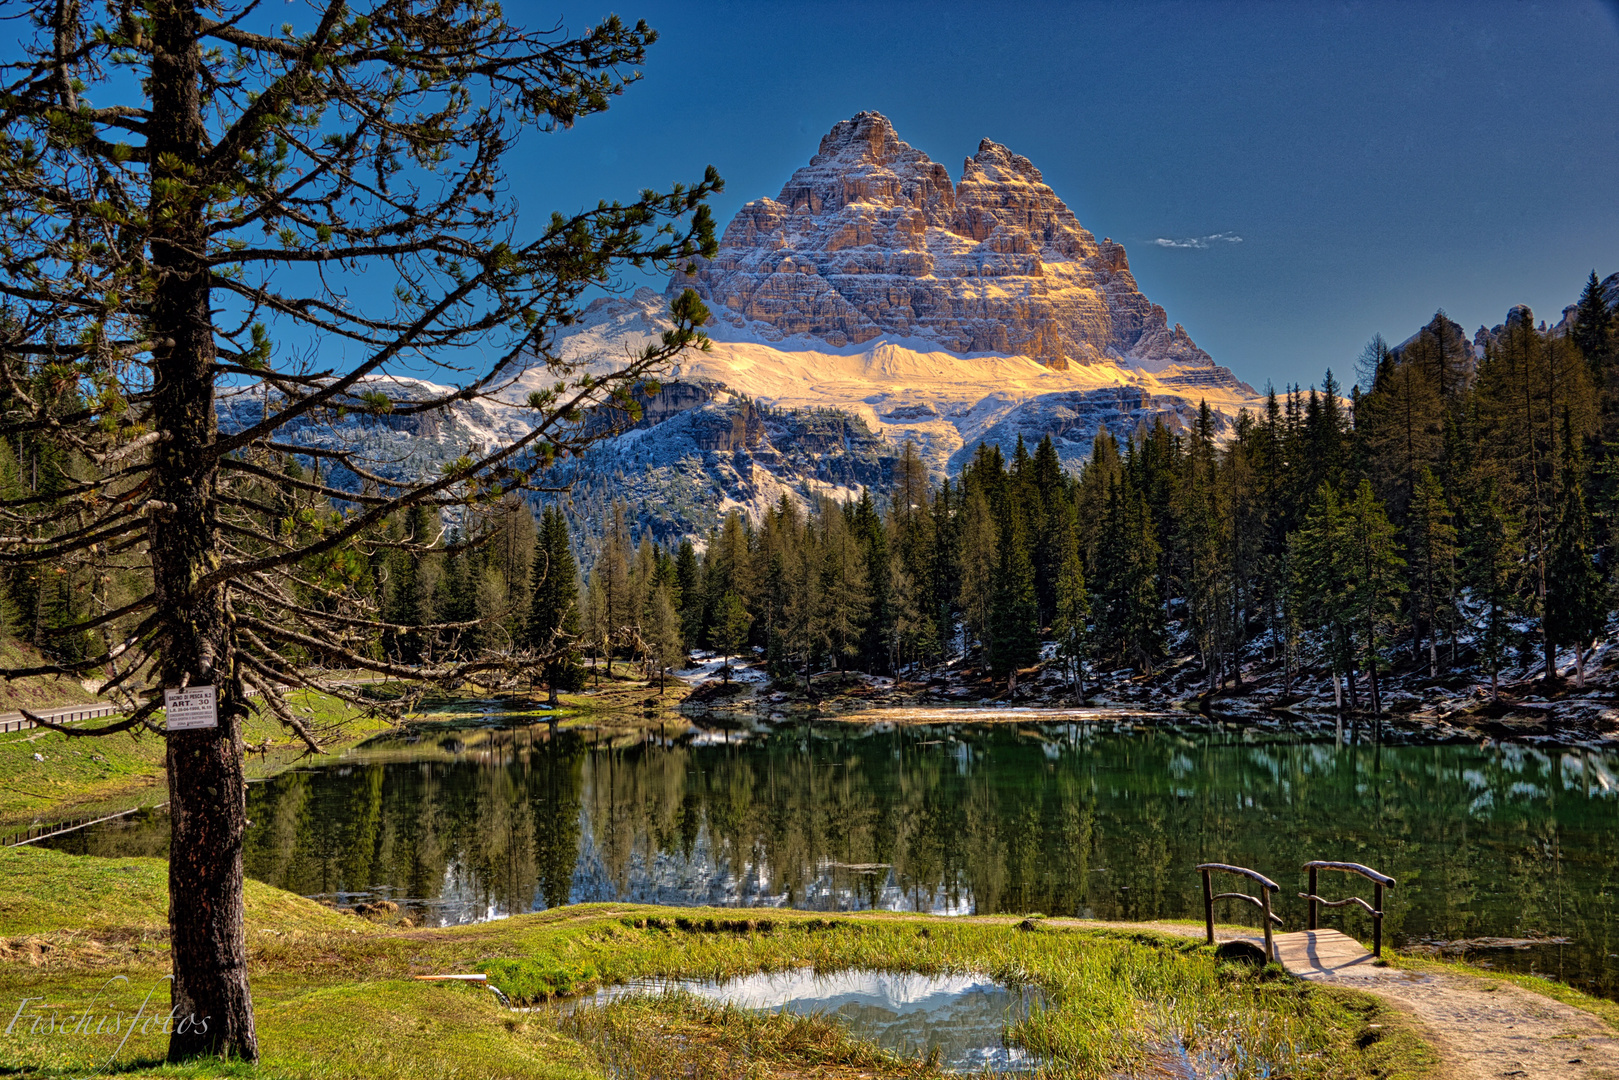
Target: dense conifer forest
<point>1450,513</point>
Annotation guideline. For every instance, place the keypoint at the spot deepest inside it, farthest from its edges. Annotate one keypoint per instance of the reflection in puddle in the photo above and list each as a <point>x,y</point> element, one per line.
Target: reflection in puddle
<point>961,1017</point>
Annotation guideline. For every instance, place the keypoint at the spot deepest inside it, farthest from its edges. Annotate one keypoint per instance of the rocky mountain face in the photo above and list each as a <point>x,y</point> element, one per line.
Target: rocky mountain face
<point>871,238</point>
<point>872,303</point>
<point>683,473</point>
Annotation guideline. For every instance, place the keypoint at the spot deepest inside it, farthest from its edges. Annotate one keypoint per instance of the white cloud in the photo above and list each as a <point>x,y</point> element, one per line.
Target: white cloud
<point>1199,242</point>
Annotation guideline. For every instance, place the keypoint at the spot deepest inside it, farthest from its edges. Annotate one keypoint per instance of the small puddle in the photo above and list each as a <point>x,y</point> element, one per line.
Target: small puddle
<point>962,1017</point>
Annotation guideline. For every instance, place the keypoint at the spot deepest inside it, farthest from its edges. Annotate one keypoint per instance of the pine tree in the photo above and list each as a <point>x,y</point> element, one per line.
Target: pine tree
<point>727,567</point>
<point>1014,638</point>
<point>731,624</point>
<point>1071,627</point>
<point>1490,562</point>
<point>869,531</point>
<point>1373,572</point>
<point>1100,474</point>
<point>194,229</point>
<point>553,620</point>
<point>611,574</point>
<point>1399,430</point>
<point>1048,485</point>
<point>1128,604</point>
<point>946,571</point>
<point>662,633</point>
<point>597,627</point>
<point>1324,434</point>
<point>1596,333</point>
<point>688,584</point>
<point>1528,382</point>
<point>1443,355</point>
<point>1319,584</point>
<point>907,629</point>
<point>914,545</point>
<point>1431,551</point>
<point>1203,535</point>
<point>1576,608</point>
<point>844,588</point>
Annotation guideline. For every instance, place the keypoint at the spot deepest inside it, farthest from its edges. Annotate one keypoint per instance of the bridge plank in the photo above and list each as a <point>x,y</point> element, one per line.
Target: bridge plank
<point>1315,954</point>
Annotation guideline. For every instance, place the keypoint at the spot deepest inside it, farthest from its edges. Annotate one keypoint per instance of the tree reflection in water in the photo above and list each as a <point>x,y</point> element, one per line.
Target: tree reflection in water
<point>1093,820</point>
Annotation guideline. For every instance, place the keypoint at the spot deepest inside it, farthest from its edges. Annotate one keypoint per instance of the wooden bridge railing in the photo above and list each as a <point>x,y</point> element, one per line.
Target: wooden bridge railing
<point>1262,901</point>
<point>1374,909</point>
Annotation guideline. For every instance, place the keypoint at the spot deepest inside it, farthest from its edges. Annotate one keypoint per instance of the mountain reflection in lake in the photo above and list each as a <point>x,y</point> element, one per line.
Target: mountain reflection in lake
<point>1100,819</point>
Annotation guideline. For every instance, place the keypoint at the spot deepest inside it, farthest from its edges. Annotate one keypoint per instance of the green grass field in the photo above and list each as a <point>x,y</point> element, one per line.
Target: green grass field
<point>334,997</point>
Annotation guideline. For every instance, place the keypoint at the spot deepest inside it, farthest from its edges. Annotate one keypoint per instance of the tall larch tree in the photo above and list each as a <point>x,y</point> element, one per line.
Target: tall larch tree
<point>1576,604</point>
<point>554,617</point>
<point>188,193</point>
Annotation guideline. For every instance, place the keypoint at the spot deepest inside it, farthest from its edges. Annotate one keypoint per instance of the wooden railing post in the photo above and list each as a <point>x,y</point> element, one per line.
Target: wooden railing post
<point>1270,943</point>
<point>1379,881</point>
<point>1377,921</point>
<point>1208,905</point>
<point>1262,901</point>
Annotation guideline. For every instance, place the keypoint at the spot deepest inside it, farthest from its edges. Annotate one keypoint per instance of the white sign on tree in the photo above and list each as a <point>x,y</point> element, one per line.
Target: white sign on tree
<point>191,708</point>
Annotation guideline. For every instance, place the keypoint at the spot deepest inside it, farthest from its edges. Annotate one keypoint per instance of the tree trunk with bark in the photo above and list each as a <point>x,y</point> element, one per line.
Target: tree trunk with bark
<point>213,1008</point>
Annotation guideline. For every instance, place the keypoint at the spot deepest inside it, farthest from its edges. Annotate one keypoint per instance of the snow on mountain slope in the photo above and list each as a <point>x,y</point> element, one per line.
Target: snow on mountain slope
<point>907,387</point>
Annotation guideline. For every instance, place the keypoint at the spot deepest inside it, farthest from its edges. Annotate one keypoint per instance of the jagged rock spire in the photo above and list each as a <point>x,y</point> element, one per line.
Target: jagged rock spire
<point>872,238</point>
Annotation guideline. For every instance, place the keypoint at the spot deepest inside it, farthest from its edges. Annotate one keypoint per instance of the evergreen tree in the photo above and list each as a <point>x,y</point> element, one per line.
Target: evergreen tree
<point>914,545</point>
<point>1596,333</point>
<point>843,590</point>
<point>727,567</point>
<point>1014,637</point>
<point>1101,473</point>
<point>1319,581</point>
<point>1129,607</point>
<point>1527,383</point>
<point>189,232</point>
<point>1048,503</point>
<point>688,590</point>
<point>1324,435</point>
<point>979,559</point>
<point>1373,573</point>
<point>611,575</point>
<point>662,633</point>
<point>1576,608</point>
<point>1444,356</point>
<point>1071,627</point>
<point>1431,547</point>
<point>871,534</point>
<point>1491,554</point>
<point>731,624</point>
<point>553,628</point>
<point>1203,529</point>
<point>907,628</point>
<point>1399,429</point>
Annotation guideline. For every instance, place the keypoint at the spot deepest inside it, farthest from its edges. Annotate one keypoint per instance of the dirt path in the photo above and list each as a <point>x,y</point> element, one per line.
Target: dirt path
<point>1483,1029</point>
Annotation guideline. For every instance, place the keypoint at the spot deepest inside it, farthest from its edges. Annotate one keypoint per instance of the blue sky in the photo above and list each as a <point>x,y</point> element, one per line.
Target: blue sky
<point>1378,161</point>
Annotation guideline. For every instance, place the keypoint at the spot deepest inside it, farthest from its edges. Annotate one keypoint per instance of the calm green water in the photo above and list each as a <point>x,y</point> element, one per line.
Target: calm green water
<point>1101,819</point>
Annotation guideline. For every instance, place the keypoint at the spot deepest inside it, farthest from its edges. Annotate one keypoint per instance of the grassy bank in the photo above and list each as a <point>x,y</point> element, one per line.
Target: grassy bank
<point>35,691</point>
<point>334,996</point>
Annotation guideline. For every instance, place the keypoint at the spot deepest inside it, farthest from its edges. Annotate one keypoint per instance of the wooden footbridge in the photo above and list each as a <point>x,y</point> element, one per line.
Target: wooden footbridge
<point>1311,953</point>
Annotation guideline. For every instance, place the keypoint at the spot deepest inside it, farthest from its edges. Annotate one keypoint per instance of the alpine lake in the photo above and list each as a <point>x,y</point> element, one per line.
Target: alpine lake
<point>1504,853</point>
